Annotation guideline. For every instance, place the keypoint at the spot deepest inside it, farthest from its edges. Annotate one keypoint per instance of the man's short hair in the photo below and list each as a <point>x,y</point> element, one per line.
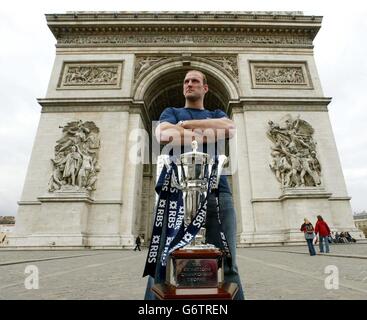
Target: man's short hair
<point>205,81</point>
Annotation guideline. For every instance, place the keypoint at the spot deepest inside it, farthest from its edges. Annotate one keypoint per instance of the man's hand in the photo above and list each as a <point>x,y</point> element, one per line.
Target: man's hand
<point>207,131</point>
<point>215,124</point>
<point>175,134</point>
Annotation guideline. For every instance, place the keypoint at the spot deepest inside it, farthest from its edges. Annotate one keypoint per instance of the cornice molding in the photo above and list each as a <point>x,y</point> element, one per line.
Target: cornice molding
<point>56,105</point>
<point>340,198</point>
<point>85,105</point>
<point>182,28</point>
<point>288,100</point>
<point>280,104</point>
<point>220,16</point>
<point>285,108</point>
<point>50,102</point>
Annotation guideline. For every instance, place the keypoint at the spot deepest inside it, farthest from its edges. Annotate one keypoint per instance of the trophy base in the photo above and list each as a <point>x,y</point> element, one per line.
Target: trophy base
<point>196,273</point>
<point>224,291</point>
<point>196,267</point>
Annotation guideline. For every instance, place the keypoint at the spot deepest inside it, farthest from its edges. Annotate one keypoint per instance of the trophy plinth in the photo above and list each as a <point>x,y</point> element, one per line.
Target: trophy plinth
<point>195,268</point>
<point>195,273</point>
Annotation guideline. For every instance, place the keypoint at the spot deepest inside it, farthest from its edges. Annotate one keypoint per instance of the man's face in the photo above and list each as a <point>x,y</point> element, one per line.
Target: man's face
<point>193,87</point>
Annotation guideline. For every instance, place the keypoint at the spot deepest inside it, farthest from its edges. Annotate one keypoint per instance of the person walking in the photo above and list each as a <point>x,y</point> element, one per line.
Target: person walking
<point>323,230</point>
<point>137,242</point>
<point>308,230</point>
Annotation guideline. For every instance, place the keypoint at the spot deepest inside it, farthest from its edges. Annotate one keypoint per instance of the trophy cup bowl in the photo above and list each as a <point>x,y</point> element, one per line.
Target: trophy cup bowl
<point>196,270</point>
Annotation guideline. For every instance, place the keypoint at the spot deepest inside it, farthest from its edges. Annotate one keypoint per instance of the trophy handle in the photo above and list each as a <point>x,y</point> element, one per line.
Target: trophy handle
<point>167,163</point>
<point>175,181</point>
<point>222,160</point>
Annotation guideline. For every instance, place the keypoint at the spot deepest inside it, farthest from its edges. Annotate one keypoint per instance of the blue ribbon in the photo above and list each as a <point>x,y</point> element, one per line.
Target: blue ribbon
<point>170,206</point>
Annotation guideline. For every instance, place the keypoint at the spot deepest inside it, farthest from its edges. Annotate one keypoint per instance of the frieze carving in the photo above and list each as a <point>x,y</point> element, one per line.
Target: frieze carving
<point>294,156</point>
<point>80,75</point>
<point>279,74</point>
<point>75,165</point>
<point>178,40</point>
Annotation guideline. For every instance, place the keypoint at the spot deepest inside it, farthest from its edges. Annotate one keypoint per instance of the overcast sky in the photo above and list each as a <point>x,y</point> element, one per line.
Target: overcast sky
<point>28,50</point>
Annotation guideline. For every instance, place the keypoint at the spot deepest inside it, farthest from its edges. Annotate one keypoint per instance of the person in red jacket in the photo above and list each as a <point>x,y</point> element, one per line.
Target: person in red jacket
<point>323,230</point>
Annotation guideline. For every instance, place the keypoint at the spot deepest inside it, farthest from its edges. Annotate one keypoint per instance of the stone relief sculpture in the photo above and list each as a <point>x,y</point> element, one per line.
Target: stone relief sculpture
<point>279,75</point>
<point>145,62</point>
<point>91,75</point>
<point>229,63</point>
<point>127,39</point>
<point>75,165</point>
<point>294,157</point>
<point>82,75</point>
<point>87,75</point>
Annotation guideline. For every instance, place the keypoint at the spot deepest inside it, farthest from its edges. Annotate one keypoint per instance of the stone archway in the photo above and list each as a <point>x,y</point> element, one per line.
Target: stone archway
<point>167,77</point>
<point>162,88</point>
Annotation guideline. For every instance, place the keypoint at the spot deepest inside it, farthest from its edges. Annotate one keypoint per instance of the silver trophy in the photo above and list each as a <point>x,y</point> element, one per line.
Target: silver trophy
<point>194,170</point>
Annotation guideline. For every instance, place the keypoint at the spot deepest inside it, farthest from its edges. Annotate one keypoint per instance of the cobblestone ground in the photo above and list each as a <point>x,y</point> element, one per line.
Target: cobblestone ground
<point>266,273</point>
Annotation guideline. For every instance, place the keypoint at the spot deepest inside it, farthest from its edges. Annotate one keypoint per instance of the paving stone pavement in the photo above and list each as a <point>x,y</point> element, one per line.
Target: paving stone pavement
<point>267,273</point>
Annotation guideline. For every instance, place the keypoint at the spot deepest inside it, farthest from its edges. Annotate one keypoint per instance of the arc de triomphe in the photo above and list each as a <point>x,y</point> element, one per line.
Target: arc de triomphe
<point>115,72</point>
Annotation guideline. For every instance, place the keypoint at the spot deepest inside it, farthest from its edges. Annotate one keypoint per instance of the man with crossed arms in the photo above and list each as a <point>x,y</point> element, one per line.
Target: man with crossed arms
<point>179,126</point>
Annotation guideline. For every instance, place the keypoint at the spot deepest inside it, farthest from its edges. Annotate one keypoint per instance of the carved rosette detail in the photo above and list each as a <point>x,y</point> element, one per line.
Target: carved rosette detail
<point>75,165</point>
<point>294,157</point>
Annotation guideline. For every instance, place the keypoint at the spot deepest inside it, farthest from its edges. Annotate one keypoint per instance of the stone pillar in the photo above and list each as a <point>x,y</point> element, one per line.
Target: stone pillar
<point>62,218</point>
<point>132,183</point>
<point>300,203</point>
<point>241,179</point>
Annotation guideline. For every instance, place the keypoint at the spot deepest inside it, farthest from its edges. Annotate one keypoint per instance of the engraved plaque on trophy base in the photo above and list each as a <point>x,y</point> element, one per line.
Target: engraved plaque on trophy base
<point>195,273</point>
<point>197,267</point>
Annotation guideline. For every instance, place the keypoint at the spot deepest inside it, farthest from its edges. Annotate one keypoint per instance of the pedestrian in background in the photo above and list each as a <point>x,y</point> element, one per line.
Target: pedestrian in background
<point>323,230</point>
<point>308,230</point>
<point>137,242</point>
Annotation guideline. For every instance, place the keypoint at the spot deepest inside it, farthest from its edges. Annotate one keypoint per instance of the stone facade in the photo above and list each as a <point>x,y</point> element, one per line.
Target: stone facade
<point>120,70</point>
<point>360,220</point>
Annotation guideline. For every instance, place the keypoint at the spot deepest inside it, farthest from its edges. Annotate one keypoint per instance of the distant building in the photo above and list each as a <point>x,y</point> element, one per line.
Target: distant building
<point>7,220</point>
<point>7,224</point>
<point>360,220</point>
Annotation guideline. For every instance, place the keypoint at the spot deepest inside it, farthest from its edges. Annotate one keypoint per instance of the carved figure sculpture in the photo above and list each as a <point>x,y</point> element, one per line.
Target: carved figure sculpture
<point>76,158</point>
<point>294,158</point>
<point>84,75</point>
<point>279,75</point>
<point>72,166</point>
